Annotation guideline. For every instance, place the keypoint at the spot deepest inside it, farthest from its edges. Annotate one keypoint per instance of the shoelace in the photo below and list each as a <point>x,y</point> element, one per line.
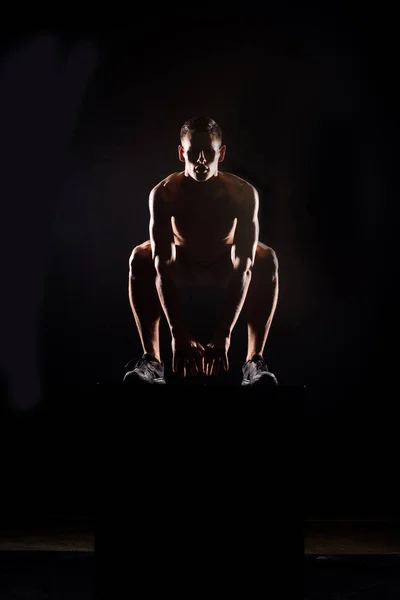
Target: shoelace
<point>135,361</point>
<point>260,363</point>
<point>257,360</point>
<point>138,361</point>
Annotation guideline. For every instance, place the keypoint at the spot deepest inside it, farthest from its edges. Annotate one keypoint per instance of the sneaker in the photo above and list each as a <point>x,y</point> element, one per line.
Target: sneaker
<point>146,370</point>
<point>255,372</point>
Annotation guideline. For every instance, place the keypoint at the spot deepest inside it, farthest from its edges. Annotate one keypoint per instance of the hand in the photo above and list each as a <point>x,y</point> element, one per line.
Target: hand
<point>187,354</point>
<point>217,354</point>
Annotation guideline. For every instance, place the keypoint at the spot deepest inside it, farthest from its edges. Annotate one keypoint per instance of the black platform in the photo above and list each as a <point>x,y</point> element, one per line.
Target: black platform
<point>339,462</point>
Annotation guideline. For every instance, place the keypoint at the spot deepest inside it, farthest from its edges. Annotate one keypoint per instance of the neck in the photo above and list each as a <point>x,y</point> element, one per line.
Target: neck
<point>212,181</point>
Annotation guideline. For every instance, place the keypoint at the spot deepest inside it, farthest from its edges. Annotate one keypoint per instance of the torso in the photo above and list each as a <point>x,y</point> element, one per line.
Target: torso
<point>203,216</point>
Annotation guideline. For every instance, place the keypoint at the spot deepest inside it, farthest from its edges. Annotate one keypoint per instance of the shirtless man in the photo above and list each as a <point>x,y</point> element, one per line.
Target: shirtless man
<point>203,231</point>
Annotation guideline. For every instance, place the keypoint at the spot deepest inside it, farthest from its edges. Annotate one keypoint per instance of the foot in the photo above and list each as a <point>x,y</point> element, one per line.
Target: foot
<point>255,372</point>
<point>146,370</point>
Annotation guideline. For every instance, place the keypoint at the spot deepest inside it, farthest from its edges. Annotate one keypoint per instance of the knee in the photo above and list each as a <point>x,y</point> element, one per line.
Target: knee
<point>140,258</point>
<point>266,259</point>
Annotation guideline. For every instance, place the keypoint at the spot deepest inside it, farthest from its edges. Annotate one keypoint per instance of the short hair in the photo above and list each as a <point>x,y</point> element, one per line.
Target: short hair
<point>201,125</point>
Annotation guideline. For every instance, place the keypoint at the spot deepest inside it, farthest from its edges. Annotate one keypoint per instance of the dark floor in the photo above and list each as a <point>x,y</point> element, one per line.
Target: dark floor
<point>47,575</point>
<point>352,559</point>
<point>71,575</point>
<point>344,577</point>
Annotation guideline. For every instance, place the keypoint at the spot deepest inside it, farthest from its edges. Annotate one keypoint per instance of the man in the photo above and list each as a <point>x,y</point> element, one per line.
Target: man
<point>203,231</point>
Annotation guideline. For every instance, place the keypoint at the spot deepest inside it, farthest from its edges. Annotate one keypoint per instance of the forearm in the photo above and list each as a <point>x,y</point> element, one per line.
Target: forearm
<point>170,301</point>
<point>233,302</point>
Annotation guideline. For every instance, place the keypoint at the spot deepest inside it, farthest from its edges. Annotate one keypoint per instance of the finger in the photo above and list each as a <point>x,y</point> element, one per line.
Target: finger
<point>201,349</point>
<point>199,358</point>
<point>209,365</point>
<point>225,362</point>
<point>174,363</point>
<point>199,364</point>
<point>206,365</point>
<point>212,366</point>
<point>208,359</point>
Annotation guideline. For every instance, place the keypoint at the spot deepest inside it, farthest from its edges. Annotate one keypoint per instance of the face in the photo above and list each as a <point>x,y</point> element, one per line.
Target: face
<point>201,153</point>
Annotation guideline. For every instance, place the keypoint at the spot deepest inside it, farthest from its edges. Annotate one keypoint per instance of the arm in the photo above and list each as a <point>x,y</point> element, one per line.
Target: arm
<point>187,352</point>
<point>163,252</point>
<point>243,255</point>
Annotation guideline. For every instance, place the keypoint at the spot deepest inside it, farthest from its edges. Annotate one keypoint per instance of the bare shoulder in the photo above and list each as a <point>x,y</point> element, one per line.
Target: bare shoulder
<point>167,186</point>
<point>243,192</point>
<point>238,185</point>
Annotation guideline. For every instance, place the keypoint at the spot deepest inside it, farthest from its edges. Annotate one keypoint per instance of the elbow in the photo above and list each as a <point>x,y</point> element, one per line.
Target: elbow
<point>247,272</point>
<point>162,266</point>
<point>243,266</point>
<point>243,274</point>
<point>159,264</point>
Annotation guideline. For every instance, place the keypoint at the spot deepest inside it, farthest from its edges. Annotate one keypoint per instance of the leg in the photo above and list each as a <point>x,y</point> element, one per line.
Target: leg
<point>261,300</point>
<point>144,299</point>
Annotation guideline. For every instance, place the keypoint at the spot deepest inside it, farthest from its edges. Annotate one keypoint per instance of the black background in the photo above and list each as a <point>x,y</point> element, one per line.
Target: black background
<point>308,113</point>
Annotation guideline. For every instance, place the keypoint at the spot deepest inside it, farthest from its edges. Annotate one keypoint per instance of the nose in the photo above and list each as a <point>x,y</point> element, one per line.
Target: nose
<point>201,159</point>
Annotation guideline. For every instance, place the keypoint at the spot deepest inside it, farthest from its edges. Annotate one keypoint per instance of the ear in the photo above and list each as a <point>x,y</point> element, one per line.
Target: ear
<point>222,151</point>
<point>181,153</point>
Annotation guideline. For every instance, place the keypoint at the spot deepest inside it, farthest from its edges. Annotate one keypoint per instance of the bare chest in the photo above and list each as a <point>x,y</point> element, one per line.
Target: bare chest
<point>207,220</point>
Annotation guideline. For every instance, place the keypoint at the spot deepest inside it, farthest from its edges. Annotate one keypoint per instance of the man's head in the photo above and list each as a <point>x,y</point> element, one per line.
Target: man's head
<point>201,148</point>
